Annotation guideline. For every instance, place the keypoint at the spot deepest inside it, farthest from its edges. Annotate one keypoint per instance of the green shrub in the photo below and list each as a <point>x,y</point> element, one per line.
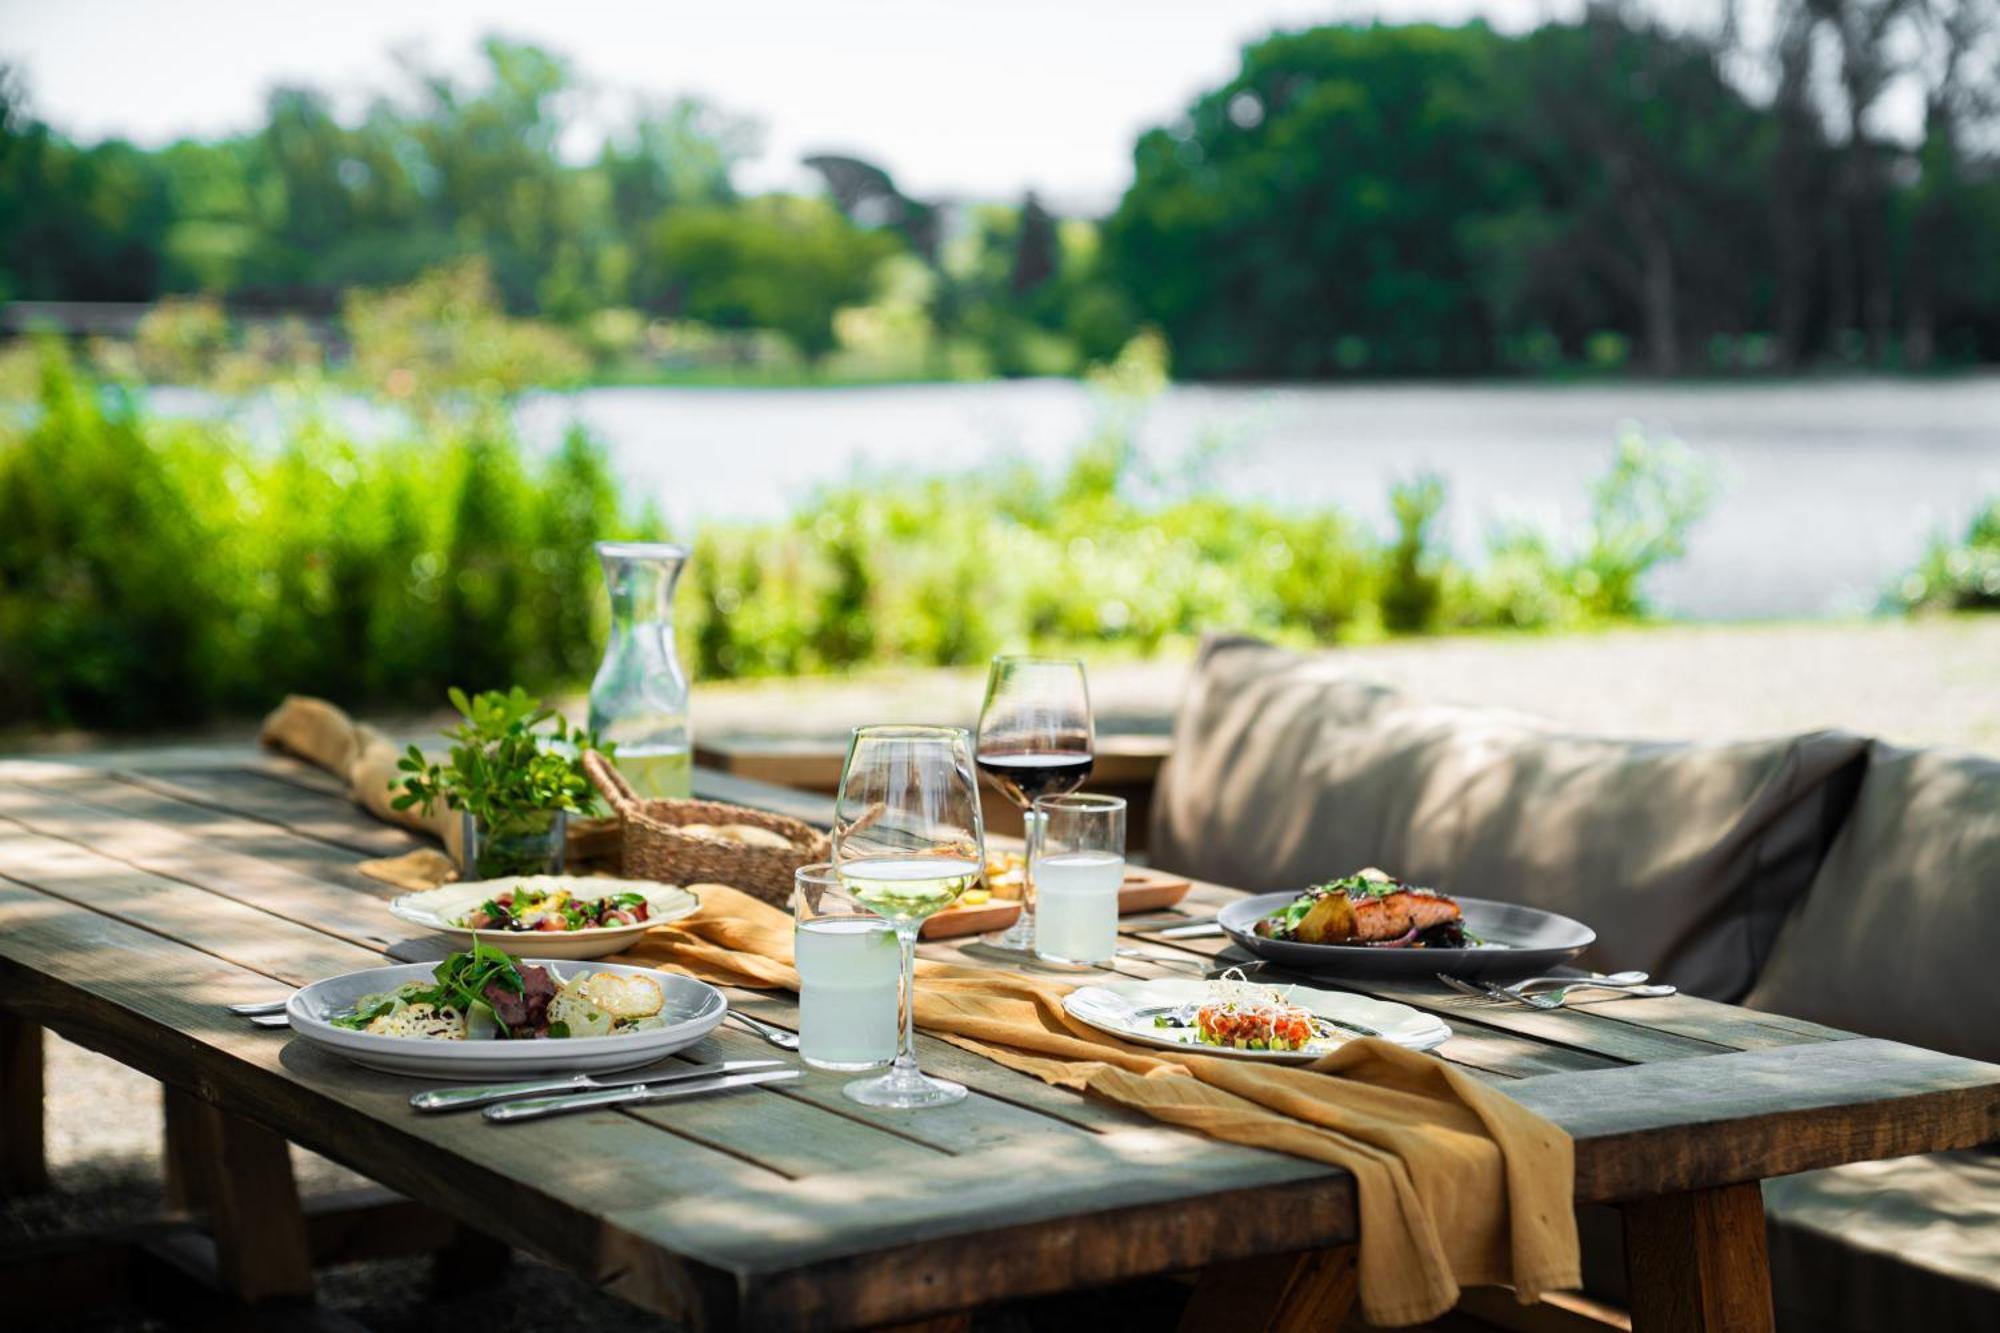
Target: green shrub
<point>155,572</point>
<point>1957,576</point>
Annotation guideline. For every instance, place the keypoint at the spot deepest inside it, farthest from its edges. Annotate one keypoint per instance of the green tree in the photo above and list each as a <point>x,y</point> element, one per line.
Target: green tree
<point>775,262</point>
<point>1303,219</point>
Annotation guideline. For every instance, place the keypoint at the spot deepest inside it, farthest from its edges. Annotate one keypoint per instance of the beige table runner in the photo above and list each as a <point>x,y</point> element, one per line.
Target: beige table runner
<point>1458,1185</point>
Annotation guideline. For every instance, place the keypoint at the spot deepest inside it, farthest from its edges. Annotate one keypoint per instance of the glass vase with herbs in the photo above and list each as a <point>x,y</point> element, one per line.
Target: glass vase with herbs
<point>515,775</point>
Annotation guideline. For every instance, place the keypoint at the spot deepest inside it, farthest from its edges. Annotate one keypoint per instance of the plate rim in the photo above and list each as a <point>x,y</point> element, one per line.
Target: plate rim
<point>1246,937</point>
<point>400,907</point>
<point>715,1008</point>
<point>1439,1032</point>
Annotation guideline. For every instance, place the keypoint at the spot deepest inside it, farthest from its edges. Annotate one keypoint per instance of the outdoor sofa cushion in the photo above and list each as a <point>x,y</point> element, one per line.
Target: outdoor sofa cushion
<point>1899,935</point>
<point>1685,858</point>
<point>1874,1247</point>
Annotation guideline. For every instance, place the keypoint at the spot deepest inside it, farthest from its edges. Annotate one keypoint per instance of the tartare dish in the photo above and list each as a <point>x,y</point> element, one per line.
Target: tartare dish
<point>1245,1016</point>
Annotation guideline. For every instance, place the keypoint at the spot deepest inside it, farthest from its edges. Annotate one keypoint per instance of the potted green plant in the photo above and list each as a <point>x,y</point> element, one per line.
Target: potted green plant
<point>514,772</point>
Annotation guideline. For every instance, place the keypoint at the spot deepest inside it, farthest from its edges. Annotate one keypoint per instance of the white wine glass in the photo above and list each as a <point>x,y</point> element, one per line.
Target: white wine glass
<point>1036,739</point>
<point>907,841</point>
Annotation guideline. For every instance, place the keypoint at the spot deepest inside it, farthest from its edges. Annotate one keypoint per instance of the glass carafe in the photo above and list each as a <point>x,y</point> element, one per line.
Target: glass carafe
<point>639,698</point>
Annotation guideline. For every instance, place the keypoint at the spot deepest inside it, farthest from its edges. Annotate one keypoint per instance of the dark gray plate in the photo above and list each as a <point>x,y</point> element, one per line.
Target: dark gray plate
<point>1534,941</point>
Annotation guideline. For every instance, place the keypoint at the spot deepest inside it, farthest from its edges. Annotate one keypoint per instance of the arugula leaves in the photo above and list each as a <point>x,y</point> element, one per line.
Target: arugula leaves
<point>463,977</point>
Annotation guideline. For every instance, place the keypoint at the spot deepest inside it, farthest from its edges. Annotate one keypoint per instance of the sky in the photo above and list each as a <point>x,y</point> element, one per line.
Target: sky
<point>956,98</point>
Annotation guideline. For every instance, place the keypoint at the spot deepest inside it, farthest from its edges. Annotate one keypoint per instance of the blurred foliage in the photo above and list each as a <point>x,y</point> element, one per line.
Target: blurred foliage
<point>1415,200</point>
<point>445,335</point>
<point>777,263</point>
<point>1641,511</point>
<point>1957,575</point>
<point>1614,192</point>
<point>156,572</point>
<point>947,570</point>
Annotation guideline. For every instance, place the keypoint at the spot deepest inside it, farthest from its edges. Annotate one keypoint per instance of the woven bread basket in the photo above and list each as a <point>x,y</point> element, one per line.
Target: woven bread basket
<point>652,845</point>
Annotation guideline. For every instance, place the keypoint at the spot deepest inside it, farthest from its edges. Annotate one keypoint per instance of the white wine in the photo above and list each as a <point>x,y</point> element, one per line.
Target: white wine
<point>909,888</point>
<point>657,771</point>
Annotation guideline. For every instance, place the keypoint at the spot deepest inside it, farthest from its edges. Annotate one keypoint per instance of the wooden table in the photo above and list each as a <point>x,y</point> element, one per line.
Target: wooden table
<point>140,894</point>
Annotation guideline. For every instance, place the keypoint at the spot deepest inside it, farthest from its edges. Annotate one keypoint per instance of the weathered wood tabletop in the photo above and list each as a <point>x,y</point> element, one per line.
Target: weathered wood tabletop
<point>139,894</point>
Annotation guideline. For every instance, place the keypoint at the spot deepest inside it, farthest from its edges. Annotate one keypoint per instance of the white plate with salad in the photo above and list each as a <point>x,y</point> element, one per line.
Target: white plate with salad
<point>547,916</point>
<point>485,1014</point>
<point>1248,1020</point>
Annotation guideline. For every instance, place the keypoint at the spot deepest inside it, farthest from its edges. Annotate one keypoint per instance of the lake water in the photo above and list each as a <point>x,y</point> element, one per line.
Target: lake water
<point>1831,488</point>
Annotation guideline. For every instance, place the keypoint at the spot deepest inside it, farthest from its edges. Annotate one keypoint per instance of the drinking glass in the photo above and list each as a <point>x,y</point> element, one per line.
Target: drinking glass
<point>848,974</point>
<point>906,842</point>
<point>1035,739</point>
<point>1078,862</point>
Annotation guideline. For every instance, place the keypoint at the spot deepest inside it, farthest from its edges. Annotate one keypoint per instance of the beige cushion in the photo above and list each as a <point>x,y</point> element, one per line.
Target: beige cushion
<point>1888,1246</point>
<point>1875,1247</point>
<point>1898,936</point>
<point>1684,858</point>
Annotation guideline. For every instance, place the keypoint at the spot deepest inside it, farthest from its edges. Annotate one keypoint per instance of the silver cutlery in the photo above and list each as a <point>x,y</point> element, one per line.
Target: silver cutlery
<point>277,1020</point>
<point>464,1099</point>
<point>1553,999</point>
<point>256,1007</point>
<point>778,1037</point>
<point>1191,930</point>
<point>535,1109</point>
<point>1609,979</point>
<point>1166,959</point>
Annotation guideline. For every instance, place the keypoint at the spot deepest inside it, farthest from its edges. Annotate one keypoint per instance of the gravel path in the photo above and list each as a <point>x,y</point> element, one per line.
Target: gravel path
<point>1916,682</point>
<point>1932,682</point>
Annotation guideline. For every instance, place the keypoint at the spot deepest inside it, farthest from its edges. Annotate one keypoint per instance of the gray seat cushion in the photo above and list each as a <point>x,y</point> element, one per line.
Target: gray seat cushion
<point>1897,936</point>
<point>1876,1247</point>
<point>1685,858</point>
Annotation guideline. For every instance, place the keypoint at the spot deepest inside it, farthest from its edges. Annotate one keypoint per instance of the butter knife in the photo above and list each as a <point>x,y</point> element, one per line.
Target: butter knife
<point>508,1112</point>
<point>464,1099</point>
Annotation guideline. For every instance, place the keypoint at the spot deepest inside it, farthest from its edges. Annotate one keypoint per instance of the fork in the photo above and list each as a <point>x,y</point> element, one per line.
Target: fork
<point>1553,999</point>
<point>777,1036</point>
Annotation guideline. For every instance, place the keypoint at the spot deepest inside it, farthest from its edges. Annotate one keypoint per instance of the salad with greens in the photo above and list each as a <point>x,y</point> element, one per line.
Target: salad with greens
<point>525,908</point>
<point>485,995</point>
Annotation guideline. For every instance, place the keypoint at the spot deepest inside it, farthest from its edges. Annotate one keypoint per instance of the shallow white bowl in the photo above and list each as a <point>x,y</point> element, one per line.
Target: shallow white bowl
<point>692,1008</point>
<point>1115,1007</point>
<point>434,909</point>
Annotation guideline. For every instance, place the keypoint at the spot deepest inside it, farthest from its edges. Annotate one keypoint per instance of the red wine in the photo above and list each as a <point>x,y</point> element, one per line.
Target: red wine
<point>1029,774</point>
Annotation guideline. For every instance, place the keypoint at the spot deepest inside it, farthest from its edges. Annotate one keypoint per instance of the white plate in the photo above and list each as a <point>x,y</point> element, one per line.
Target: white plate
<point>434,909</point>
<point>692,1008</point>
<point>1115,1008</point>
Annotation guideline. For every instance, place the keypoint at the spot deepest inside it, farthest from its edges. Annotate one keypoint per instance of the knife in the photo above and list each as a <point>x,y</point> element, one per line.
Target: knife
<point>1190,930</point>
<point>464,1099</point>
<point>508,1112</point>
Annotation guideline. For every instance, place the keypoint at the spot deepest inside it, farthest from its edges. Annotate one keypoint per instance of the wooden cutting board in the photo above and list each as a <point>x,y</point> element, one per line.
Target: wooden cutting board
<point>1144,890</point>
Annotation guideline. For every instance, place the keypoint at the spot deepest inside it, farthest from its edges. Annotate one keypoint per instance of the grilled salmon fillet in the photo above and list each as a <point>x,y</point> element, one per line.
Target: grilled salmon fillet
<point>1395,914</point>
<point>1365,908</point>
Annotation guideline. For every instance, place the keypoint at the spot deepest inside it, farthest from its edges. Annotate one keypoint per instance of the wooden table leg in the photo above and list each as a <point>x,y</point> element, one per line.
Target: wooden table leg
<point>1697,1262</point>
<point>1281,1293</point>
<point>261,1247</point>
<point>24,1166</point>
<point>184,1119</point>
